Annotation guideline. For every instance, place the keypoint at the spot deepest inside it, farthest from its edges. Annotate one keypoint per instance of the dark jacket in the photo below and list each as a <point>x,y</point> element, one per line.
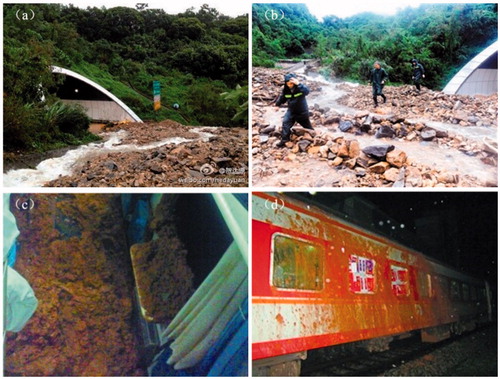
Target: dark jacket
<point>296,98</point>
<point>418,70</point>
<point>377,76</point>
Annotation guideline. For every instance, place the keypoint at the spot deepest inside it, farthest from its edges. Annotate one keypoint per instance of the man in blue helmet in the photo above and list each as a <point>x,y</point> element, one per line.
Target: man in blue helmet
<point>418,73</point>
<point>295,94</point>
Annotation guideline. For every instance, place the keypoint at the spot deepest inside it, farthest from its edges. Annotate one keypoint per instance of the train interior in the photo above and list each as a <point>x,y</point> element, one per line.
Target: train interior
<point>126,285</point>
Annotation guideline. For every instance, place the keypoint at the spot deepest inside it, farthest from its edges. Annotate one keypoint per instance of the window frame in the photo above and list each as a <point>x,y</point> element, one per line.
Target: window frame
<point>321,249</point>
<point>425,285</point>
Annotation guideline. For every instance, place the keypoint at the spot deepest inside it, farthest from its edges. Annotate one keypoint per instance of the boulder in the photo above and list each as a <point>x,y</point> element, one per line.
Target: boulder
<point>313,150</point>
<point>354,149</point>
<point>323,151</point>
<point>392,174</point>
<point>343,150</point>
<point>303,145</point>
<point>379,168</point>
<point>337,161</point>
<point>300,131</point>
<point>332,120</point>
<point>268,129</point>
<point>263,138</point>
<point>396,158</point>
<point>378,151</point>
<point>345,126</point>
<point>350,163</point>
<point>384,132</point>
<point>428,134</point>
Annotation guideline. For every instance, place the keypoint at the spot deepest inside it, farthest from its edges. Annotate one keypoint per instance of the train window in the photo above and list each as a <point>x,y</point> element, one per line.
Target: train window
<point>482,294</point>
<point>455,290</point>
<point>399,280</point>
<point>473,293</point>
<point>443,286</point>
<point>465,292</point>
<point>361,275</point>
<point>424,284</point>
<point>297,264</point>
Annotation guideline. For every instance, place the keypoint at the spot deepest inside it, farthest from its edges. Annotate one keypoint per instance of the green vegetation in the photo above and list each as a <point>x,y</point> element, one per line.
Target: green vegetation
<point>442,36</point>
<point>199,57</point>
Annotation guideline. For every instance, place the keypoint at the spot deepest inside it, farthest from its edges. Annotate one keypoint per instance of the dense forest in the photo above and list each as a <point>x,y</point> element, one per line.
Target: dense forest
<point>200,58</point>
<point>441,36</point>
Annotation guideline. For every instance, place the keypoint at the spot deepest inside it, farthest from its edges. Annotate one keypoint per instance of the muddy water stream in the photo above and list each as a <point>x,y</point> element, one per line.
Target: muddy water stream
<point>53,168</point>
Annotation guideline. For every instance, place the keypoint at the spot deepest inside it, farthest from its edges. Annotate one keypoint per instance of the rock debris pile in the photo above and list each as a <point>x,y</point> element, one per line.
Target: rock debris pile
<point>219,160</point>
<point>363,142</point>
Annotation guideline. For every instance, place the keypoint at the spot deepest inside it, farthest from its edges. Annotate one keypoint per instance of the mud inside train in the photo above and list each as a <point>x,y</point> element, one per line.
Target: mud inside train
<point>125,285</point>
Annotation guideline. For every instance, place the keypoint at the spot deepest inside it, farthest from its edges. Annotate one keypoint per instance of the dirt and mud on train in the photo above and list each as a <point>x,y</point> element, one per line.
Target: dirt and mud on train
<point>341,277</point>
<point>126,284</point>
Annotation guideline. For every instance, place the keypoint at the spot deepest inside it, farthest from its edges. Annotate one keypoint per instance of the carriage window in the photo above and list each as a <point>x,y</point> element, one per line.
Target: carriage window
<point>473,293</point>
<point>361,274</point>
<point>455,290</point>
<point>465,292</point>
<point>442,286</point>
<point>297,264</point>
<point>482,294</point>
<point>424,284</point>
<point>399,279</point>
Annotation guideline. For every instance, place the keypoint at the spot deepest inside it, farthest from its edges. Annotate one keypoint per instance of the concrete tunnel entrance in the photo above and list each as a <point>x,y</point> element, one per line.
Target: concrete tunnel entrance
<point>479,76</point>
<point>99,104</point>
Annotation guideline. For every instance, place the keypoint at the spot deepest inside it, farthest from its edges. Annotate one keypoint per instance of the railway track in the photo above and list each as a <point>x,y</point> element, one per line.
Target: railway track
<point>373,364</point>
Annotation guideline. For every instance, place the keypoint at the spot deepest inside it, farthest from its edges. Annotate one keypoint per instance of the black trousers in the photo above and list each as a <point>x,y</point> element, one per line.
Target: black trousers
<point>377,91</point>
<point>417,83</point>
<point>290,119</point>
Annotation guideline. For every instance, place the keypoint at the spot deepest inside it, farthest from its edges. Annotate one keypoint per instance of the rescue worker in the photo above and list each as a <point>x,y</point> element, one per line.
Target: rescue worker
<point>298,111</point>
<point>378,76</point>
<point>418,73</point>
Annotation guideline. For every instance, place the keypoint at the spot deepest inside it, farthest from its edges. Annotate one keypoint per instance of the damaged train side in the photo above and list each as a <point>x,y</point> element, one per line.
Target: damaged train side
<point>319,281</point>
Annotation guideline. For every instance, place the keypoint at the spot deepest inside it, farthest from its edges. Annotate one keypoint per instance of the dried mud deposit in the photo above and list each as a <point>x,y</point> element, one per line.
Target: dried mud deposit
<point>164,280</point>
<point>73,253</point>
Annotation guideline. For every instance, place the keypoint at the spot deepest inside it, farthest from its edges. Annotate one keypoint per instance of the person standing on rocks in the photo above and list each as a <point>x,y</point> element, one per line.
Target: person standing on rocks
<point>418,73</point>
<point>295,94</point>
<point>378,76</point>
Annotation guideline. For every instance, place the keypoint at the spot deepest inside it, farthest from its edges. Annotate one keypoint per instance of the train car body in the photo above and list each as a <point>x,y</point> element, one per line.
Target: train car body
<point>320,281</point>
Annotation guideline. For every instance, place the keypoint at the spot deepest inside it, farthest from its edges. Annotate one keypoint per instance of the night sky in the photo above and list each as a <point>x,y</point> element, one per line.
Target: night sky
<point>468,220</point>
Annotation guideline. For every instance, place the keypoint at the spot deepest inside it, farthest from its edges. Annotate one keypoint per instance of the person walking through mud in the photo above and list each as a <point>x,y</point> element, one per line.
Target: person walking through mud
<point>418,73</point>
<point>295,94</point>
<point>378,76</point>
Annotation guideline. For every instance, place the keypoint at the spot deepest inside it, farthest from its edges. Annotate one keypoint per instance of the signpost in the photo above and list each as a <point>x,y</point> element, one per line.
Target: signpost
<point>157,95</point>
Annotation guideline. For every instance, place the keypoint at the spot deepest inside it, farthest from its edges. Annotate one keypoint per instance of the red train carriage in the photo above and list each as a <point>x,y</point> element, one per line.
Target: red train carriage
<point>320,281</point>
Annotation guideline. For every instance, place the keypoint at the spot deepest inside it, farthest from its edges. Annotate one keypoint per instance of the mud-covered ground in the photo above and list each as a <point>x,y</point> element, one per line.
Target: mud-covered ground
<point>429,139</point>
<point>74,255</point>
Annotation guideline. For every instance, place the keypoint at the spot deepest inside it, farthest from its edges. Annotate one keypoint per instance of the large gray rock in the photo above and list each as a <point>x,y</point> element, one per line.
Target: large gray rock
<point>300,131</point>
<point>268,129</point>
<point>385,132</point>
<point>345,126</point>
<point>428,134</point>
<point>304,144</point>
<point>378,151</point>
